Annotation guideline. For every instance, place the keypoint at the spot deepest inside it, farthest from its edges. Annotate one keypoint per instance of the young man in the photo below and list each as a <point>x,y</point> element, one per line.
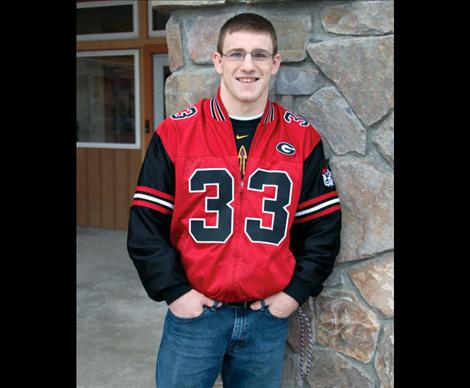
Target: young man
<point>235,221</point>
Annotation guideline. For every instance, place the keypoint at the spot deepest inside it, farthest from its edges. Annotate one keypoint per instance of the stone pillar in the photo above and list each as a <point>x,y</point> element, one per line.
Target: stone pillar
<point>337,72</point>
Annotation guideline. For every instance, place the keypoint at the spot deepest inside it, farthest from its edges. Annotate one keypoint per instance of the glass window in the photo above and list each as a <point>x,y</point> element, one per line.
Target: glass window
<point>115,19</point>
<point>157,21</point>
<point>107,100</point>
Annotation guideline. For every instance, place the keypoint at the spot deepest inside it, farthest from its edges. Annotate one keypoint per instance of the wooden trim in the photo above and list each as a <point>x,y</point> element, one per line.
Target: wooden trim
<point>155,48</point>
<point>147,86</point>
<point>147,97</point>
<point>97,45</point>
<point>143,103</point>
<point>142,17</point>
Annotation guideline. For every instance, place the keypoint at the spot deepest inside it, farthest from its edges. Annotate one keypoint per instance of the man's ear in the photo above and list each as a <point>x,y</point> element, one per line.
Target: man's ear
<point>276,63</point>
<point>217,61</point>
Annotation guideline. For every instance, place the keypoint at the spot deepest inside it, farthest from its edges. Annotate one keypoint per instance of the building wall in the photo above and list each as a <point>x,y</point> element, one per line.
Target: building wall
<point>106,180</point>
<point>337,72</point>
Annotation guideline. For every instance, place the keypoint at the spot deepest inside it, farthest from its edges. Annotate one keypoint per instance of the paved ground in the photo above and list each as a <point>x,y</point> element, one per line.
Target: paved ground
<point>118,326</point>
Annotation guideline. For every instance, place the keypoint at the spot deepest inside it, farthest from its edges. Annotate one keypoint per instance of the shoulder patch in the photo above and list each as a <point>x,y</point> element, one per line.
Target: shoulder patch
<point>184,114</point>
<point>289,117</point>
<point>326,175</point>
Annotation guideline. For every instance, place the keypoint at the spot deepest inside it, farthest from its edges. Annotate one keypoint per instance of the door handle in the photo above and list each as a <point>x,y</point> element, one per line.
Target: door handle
<point>147,126</point>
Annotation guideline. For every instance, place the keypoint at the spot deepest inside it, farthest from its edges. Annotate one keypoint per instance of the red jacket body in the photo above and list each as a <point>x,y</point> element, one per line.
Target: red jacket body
<point>232,235</point>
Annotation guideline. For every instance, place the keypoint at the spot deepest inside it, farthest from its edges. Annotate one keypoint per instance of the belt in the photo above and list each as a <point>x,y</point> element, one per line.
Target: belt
<point>239,304</point>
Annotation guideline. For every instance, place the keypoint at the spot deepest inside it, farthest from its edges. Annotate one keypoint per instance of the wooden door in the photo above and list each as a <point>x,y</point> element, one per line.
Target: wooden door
<point>106,177</point>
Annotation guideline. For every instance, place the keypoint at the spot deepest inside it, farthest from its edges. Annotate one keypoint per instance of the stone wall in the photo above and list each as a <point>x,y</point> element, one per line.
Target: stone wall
<point>337,72</point>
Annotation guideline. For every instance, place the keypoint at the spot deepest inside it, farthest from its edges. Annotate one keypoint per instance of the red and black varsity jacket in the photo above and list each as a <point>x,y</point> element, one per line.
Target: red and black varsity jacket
<point>196,223</point>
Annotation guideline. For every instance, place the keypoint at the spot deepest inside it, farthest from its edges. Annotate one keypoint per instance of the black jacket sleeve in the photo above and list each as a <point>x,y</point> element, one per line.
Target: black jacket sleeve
<point>148,240</point>
<point>315,235</point>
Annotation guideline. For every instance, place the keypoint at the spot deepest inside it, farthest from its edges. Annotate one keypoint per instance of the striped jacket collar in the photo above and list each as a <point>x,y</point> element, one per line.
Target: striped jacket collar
<point>219,113</point>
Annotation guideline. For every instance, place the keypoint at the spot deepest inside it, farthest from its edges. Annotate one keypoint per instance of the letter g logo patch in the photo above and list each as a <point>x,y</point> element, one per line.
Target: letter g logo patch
<point>286,148</point>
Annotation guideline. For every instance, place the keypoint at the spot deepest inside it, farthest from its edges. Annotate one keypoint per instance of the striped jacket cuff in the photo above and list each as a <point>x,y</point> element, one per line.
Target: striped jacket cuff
<point>317,207</point>
<point>154,199</point>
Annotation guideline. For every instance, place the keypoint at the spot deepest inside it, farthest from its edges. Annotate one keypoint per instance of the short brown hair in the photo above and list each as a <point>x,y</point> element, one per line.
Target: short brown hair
<point>247,22</point>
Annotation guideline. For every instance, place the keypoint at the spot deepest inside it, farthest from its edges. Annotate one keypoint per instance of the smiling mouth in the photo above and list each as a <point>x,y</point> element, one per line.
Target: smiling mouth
<point>247,80</point>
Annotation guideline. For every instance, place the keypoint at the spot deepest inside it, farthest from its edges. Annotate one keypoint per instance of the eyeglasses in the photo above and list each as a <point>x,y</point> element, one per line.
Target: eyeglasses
<point>258,55</point>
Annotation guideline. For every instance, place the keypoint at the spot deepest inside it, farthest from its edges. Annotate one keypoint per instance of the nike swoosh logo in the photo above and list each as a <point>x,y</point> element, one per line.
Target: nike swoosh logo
<point>239,137</point>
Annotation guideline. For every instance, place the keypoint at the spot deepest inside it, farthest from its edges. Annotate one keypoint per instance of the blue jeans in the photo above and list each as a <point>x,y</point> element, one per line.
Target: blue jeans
<point>246,345</point>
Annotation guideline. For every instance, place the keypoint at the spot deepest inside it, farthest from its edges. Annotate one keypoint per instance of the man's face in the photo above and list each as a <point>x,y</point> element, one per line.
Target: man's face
<point>246,81</point>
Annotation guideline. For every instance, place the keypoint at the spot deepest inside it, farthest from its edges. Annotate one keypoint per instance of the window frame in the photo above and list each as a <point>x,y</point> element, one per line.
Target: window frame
<point>136,145</point>
<point>160,60</point>
<point>112,35</point>
<point>151,32</point>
